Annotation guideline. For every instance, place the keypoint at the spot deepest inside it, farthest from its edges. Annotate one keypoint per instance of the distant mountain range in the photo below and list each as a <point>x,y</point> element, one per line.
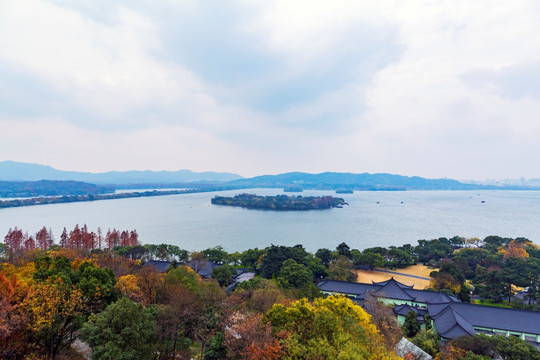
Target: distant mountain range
<point>17,171</point>
<point>365,181</point>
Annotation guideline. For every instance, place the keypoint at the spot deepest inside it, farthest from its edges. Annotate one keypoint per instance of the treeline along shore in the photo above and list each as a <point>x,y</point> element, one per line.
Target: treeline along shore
<point>280,202</point>
<point>94,197</point>
<point>132,301</point>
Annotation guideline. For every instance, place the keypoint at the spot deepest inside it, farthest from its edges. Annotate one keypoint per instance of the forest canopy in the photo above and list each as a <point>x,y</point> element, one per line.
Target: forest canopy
<point>280,202</point>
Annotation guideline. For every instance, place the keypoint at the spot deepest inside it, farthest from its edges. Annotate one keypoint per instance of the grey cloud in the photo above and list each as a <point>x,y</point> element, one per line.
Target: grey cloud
<point>515,82</point>
<point>236,68</point>
<point>209,41</point>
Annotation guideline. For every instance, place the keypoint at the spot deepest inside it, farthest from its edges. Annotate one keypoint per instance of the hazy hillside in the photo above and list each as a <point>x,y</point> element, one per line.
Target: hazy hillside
<point>50,188</point>
<point>17,171</point>
<point>365,181</point>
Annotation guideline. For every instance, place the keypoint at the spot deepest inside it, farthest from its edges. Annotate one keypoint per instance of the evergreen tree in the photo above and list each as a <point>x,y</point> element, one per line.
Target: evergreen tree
<point>411,326</point>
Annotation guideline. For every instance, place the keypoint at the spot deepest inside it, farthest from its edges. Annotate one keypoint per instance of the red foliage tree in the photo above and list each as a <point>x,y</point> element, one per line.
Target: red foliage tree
<point>124,238</point>
<point>64,239</point>
<point>14,241</point>
<point>75,238</point>
<point>134,238</point>
<point>99,237</point>
<point>43,239</point>
<point>13,320</point>
<point>29,244</point>
<point>112,239</point>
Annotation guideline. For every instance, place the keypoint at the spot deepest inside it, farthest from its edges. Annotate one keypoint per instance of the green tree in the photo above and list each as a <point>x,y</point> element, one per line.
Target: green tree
<point>344,250</point>
<point>124,330</point>
<point>250,258</point>
<point>325,255</point>
<point>97,286</point>
<point>369,259</point>
<point>275,256</point>
<point>513,348</point>
<point>401,257</point>
<point>429,341</point>
<point>223,274</point>
<point>72,292</point>
<point>500,347</point>
<point>217,255</point>
<point>295,275</point>
<point>215,349</point>
<point>316,266</point>
<point>464,294</point>
<point>411,326</point>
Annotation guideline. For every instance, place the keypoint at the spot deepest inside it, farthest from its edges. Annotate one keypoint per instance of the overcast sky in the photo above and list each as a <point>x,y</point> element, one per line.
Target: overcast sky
<point>429,88</point>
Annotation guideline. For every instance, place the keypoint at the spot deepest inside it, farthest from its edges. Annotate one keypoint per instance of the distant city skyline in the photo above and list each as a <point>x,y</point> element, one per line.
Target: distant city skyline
<point>415,88</point>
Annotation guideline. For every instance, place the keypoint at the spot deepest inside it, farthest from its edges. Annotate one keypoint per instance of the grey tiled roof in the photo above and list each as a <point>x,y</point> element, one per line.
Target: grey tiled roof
<point>452,325</point>
<point>392,280</point>
<point>159,265</point>
<point>346,287</point>
<point>393,291</point>
<point>452,318</point>
<point>488,317</point>
<point>390,289</point>
<point>405,309</point>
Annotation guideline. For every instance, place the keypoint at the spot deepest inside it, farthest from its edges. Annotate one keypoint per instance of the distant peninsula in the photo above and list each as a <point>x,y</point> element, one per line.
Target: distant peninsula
<point>80,198</point>
<point>280,202</point>
<point>27,189</point>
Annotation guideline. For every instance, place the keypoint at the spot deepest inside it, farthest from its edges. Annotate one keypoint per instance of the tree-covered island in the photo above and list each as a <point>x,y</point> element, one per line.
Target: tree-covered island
<point>280,202</point>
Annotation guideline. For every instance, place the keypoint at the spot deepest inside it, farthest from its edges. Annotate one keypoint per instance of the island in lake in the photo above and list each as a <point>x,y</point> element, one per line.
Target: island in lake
<point>280,202</point>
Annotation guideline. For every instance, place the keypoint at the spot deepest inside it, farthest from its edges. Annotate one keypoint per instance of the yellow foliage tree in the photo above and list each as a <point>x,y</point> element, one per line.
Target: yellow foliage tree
<point>515,249</point>
<point>331,328</point>
<point>52,307</point>
<point>127,286</point>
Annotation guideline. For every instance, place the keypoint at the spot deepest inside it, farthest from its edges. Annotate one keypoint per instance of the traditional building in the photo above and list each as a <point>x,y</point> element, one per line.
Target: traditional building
<point>390,292</point>
<point>449,317</point>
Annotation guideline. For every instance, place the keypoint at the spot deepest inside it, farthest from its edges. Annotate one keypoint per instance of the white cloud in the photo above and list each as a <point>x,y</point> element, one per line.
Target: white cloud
<point>417,87</point>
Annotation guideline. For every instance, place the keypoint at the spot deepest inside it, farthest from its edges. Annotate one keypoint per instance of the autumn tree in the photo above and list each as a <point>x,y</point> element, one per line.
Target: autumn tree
<point>13,319</point>
<point>29,243</point>
<point>64,239</point>
<point>331,328</point>
<point>515,249</point>
<point>251,338</point>
<point>384,319</point>
<point>209,319</point>
<point>441,280</point>
<point>151,284</point>
<point>342,269</point>
<point>14,241</point>
<point>176,318</point>
<point>54,308</point>
<point>43,239</point>
<point>63,295</point>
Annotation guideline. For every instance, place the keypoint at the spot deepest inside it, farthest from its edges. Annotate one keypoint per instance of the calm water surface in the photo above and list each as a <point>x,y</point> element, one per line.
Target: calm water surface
<point>371,219</point>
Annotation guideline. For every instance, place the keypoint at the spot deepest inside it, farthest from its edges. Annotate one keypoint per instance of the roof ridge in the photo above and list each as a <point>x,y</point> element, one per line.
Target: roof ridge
<point>394,287</point>
<point>460,320</point>
<point>496,307</point>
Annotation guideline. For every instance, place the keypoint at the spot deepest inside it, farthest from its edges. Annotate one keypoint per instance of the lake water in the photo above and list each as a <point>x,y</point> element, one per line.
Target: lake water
<point>371,219</point>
